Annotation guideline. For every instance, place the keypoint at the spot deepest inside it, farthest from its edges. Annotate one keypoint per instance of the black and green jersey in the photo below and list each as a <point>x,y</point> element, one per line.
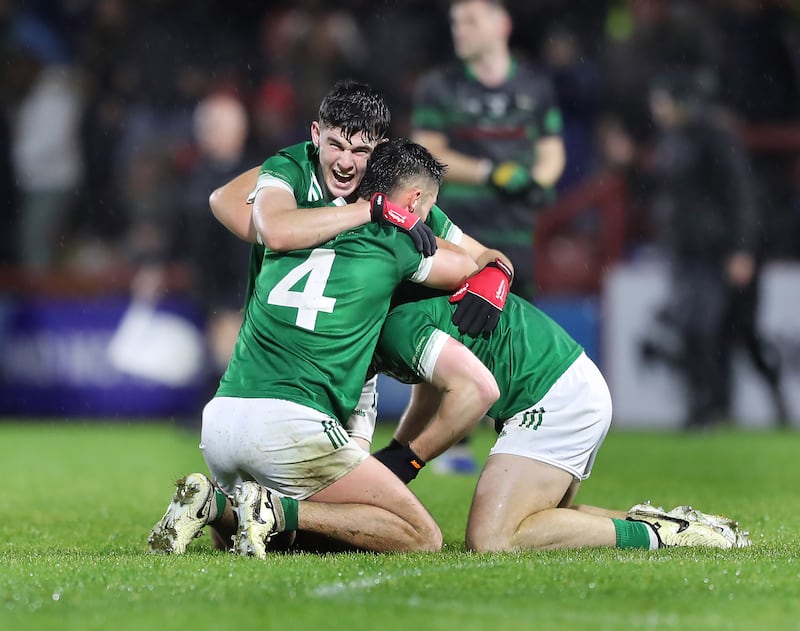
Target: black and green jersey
<point>312,323</point>
<point>526,353</point>
<point>499,123</point>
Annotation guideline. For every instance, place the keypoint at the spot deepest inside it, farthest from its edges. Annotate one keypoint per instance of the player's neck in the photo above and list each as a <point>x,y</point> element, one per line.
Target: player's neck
<point>493,68</point>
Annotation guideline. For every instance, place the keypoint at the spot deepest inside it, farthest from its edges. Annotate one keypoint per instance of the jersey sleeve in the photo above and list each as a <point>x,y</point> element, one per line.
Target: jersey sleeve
<point>409,344</point>
<point>279,171</point>
<point>411,265</point>
<point>443,227</point>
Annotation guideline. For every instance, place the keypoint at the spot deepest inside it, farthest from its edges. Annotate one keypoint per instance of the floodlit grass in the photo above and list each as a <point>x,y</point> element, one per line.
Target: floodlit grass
<point>79,501</point>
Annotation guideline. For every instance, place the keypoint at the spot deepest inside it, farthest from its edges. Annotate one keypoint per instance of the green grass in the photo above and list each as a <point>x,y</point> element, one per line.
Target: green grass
<point>79,500</point>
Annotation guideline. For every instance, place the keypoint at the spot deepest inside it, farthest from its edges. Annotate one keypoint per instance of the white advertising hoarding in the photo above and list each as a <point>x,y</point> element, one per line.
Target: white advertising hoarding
<point>649,394</point>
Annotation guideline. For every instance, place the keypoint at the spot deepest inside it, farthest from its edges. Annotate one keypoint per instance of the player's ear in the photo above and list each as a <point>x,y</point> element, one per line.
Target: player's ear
<point>413,198</point>
<point>315,133</point>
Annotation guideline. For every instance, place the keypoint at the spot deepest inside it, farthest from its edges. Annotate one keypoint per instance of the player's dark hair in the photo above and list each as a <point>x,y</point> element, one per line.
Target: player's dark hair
<point>395,162</point>
<point>355,107</point>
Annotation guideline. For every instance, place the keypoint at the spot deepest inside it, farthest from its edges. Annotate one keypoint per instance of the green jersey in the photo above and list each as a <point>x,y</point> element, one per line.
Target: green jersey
<point>313,321</point>
<point>442,226</point>
<point>325,366</point>
<point>526,353</point>
<point>296,169</point>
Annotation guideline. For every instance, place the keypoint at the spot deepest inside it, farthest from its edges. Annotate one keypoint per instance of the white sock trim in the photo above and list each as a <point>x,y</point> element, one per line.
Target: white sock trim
<point>654,544</point>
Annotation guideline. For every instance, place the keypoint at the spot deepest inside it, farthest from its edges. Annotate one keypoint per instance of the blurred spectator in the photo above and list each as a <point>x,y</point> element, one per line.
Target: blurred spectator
<point>577,81</point>
<point>8,198</point>
<point>760,84</point>
<point>275,121</point>
<point>111,87</point>
<point>705,201</point>
<point>645,39</point>
<point>218,259</point>
<point>45,100</point>
<point>149,198</point>
<point>312,45</point>
<point>397,68</point>
<point>759,71</point>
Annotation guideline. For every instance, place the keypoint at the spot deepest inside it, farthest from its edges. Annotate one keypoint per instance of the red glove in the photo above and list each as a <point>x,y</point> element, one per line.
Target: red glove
<point>384,211</point>
<point>481,299</point>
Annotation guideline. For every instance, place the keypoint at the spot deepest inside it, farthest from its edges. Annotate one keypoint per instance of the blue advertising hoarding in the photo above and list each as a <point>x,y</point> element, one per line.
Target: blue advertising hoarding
<point>56,359</point>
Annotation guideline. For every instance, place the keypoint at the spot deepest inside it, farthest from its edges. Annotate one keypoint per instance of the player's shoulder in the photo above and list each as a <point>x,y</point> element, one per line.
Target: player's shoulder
<point>442,77</point>
<point>295,166</point>
<point>370,235</point>
<point>379,247</point>
<point>300,153</point>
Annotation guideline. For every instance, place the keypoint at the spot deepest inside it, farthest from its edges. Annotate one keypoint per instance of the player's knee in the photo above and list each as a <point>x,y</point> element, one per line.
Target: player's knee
<point>487,538</point>
<point>429,538</point>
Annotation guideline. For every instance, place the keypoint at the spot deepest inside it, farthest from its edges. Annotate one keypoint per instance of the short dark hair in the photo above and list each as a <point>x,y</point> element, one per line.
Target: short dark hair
<point>355,107</point>
<point>395,162</point>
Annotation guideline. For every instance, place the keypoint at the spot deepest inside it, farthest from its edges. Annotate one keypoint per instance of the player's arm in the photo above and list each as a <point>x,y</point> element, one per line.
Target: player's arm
<point>423,403</point>
<point>482,254</point>
<point>467,390</point>
<point>283,226</point>
<point>550,160</point>
<point>229,205</point>
<point>460,167</point>
<point>459,393</point>
<point>274,215</point>
<point>449,266</point>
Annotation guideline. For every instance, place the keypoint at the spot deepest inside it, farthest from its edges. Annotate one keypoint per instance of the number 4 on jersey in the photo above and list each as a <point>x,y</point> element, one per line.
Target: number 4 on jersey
<point>310,301</point>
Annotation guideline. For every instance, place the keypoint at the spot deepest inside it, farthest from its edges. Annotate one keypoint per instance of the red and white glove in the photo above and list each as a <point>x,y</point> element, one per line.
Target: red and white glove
<point>481,299</point>
<point>384,211</point>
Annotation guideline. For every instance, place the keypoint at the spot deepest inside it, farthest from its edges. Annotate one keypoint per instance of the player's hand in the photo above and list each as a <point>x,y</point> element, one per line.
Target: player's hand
<point>384,211</point>
<point>511,178</point>
<point>400,460</point>
<point>481,299</point>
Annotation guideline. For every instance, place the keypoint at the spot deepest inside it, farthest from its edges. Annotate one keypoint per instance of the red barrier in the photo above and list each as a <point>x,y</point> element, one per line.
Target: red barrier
<point>569,258</point>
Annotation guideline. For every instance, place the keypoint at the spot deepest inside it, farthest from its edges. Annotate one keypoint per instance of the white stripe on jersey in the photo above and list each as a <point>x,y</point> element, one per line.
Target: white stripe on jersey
<point>423,271</point>
<point>454,234</point>
<point>430,354</point>
<point>265,180</point>
<point>314,190</point>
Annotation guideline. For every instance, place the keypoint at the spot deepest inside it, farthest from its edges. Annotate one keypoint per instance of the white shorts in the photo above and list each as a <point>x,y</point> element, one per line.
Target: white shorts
<point>361,423</point>
<point>567,426</point>
<point>289,448</point>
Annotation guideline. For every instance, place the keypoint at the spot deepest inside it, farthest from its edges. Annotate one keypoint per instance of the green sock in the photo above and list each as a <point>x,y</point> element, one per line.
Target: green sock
<point>221,501</point>
<point>290,508</point>
<point>632,534</point>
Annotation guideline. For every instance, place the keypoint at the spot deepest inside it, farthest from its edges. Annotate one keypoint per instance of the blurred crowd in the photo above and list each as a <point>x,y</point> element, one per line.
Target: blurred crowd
<point>120,117</point>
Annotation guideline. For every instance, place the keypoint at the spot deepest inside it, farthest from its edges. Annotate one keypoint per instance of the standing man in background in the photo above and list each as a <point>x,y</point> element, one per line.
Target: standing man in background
<point>221,129</point>
<point>706,204</point>
<point>494,121</point>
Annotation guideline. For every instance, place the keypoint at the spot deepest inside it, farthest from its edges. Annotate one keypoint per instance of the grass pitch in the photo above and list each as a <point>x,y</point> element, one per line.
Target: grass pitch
<point>79,500</point>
